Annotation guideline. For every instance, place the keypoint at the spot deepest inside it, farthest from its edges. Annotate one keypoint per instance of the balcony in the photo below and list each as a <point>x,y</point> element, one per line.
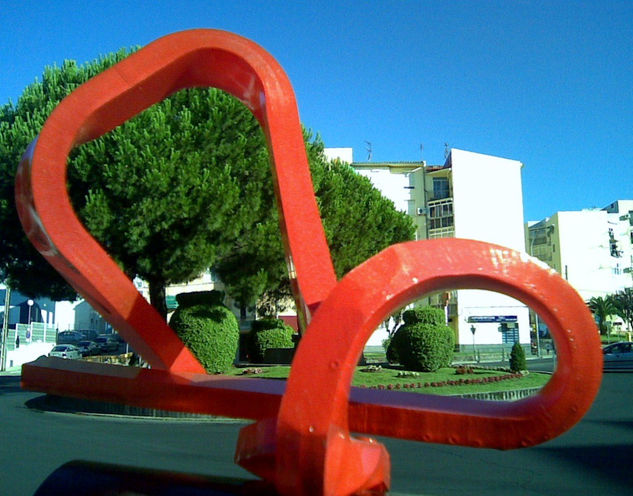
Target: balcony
<point>441,222</point>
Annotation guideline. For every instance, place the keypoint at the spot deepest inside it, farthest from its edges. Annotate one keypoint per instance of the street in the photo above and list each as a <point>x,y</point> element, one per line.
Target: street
<point>593,457</point>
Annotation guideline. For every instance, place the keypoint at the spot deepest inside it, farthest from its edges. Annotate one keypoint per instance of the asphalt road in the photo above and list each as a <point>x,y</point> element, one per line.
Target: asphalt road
<point>592,458</point>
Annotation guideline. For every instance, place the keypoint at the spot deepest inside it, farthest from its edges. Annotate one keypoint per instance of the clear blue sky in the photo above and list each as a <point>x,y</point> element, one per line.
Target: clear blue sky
<point>548,83</point>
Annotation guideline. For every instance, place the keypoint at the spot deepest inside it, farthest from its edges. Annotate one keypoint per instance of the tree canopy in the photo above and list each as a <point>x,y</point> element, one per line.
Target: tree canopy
<point>20,264</point>
<point>601,309</point>
<point>183,187</point>
<point>623,303</point>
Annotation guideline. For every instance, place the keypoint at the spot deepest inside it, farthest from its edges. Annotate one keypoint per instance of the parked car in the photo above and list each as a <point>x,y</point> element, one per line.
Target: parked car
<point>87,347</point>
<point>69,337</point>
<point>65,351</point>
<point>106,343</point>
<point>88,333</point>
<point>618,355</point>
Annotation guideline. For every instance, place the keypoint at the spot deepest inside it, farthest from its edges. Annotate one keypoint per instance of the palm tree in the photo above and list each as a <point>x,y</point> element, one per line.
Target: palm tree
<point>623,303</point>
<point>601,309</point>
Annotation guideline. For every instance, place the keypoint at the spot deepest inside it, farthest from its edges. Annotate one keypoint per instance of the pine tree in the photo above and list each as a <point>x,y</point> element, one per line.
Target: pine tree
<point>183,187</point>
<point>517,358</point>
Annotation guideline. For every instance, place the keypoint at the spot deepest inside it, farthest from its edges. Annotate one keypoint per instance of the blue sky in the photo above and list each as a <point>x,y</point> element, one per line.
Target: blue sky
<point>548,83</point>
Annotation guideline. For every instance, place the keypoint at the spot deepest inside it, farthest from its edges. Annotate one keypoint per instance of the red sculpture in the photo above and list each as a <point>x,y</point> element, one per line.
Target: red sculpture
<point>301,441</point>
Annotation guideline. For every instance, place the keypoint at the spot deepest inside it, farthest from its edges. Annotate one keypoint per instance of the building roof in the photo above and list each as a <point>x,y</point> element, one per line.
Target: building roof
<point>389,164</point>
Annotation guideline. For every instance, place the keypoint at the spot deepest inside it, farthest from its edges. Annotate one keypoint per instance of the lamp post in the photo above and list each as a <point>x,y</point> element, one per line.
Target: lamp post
<point>473,329</point>
<point>30,304</point>
<point>5,328</point>
<point>29,330</point>
<point>538,338</point>
<point>548,231</point>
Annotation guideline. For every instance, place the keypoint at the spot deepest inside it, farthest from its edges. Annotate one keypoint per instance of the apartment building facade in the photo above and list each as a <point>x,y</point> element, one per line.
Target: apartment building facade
<point>472,196</point>
<point>592,249</point>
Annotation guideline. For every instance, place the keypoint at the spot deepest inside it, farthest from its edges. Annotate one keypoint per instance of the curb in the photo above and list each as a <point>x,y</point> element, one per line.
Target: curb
<point>78,406</point>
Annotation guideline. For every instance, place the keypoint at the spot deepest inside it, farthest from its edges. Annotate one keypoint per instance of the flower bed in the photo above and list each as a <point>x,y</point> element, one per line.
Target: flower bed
<point>452,382</point>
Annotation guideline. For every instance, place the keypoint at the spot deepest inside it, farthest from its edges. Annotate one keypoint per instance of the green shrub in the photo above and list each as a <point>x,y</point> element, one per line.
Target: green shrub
<point>424,347</point>
<point>266,334</point>
<point>267,323</point>
<point>424,315</point>
<point>210,332</point>
<point>392,348</point>
<point>418,315</point>
<point>517,358</point>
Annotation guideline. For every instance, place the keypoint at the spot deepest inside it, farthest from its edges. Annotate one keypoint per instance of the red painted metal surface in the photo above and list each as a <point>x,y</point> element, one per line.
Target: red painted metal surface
<point>187,59</point>
<point>312,427</point>
<point>301,440</point>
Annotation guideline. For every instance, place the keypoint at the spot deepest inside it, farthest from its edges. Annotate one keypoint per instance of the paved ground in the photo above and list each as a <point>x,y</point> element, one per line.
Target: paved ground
<point>594,457</point>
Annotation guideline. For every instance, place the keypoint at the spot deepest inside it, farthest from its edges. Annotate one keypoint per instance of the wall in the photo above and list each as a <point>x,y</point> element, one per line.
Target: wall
<point>343,154</point>
<point>488,199</point>
<point>394,186</point>
<point>578,248</point>
<point>584,256</point>
<point>488,206</point>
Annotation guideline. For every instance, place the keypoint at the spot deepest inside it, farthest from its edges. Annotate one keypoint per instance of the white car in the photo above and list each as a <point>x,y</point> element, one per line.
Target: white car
<point>65,351</point>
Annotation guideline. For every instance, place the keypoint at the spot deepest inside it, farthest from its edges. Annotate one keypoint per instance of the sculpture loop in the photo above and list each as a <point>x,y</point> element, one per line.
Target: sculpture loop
<point>301,441</point>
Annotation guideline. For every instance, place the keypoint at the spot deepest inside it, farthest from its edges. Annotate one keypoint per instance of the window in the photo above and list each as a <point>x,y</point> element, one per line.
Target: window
<point>440,188</point>
<point>509,333</point>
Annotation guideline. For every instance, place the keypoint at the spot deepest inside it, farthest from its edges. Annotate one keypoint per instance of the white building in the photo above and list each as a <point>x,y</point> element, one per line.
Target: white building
<point>471,196</point>
<point>592,249</point>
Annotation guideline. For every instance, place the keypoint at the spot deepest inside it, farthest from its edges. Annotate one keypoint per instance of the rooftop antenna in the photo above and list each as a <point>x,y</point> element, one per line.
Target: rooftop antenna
<point>369,151</point>
<point>421,152</point>
<point>446,148</point>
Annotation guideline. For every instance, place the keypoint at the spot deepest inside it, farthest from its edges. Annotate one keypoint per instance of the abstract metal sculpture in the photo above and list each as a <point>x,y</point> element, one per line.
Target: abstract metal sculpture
<point>301,441</point>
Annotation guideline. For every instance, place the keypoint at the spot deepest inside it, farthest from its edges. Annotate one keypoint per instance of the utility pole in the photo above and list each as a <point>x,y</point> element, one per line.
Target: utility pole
<point>5,328</point>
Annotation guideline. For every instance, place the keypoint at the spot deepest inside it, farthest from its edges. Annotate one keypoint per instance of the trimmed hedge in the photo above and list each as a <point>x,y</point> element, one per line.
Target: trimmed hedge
<point>424,342</point>
<point>425,347</point>
<point>266,334</point>
<point>424,315</point>
<point>211,332</point>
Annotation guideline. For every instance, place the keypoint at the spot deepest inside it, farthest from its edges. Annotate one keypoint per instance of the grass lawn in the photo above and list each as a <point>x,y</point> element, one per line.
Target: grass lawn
<point>389,376</point>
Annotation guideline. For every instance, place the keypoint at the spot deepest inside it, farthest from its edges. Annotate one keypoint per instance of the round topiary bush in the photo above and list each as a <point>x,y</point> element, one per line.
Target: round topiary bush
<point>266,334</point>
<point>424,347</point>
<point>391,353</point>
<point>211,332</point>
<point>517,358</point>
<point>424,315</point>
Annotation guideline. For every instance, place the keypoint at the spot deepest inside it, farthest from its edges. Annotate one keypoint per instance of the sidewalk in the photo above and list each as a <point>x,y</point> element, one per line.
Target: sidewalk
<point>12,371</point>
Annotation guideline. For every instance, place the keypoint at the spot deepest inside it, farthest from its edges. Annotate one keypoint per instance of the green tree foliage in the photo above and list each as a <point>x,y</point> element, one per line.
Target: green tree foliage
<point>424,342</point>
<point>20,263</point>
<point>183,187</point>
<point>602,308</point>
<point>424,315</point>
<point>174,190</point>
<point>211,332</point>
<point>268,333</point>
<point>358,221</point>
<point>623,303</point>
<point>517,358</point>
